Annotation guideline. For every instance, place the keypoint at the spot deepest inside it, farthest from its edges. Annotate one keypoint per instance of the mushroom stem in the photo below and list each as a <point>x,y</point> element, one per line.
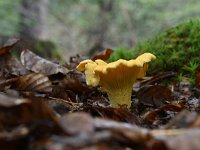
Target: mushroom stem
<point>121,97</point>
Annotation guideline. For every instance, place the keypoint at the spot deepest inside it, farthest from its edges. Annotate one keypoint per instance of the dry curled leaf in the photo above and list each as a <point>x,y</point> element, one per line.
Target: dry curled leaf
<point>8,45</point>
<point>33,82</point>
<point>38,64</point>
<point>9,64</point>
<point>103,55</point>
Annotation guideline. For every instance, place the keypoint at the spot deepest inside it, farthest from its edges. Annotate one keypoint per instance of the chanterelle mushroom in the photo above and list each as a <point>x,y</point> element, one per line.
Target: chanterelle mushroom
<point>116,78</point>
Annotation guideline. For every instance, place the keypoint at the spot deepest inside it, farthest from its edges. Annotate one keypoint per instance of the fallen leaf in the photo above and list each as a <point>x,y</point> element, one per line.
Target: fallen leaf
<point>9,64</point>
<point>8,45</point>
<point>77,123</point>
<point>38,64</point>
<point>74,61</point>
<point>6,101</point>
<point>117,114</point>
<point>103,55</point>
<point>154,95</point>
<point>13,66</point>
<point>75,81</point>
<point>183,119</point>
<point>158,78</point>
<point>6,84</point>
<point>197,79</point>
<point>129,132</point>
<point>163,114</point>
<point>33,82</point>
<point>187,139</point>
<point>14,139</point>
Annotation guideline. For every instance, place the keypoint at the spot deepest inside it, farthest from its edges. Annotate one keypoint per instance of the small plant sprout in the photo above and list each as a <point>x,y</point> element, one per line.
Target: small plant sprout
<point>116,78</point>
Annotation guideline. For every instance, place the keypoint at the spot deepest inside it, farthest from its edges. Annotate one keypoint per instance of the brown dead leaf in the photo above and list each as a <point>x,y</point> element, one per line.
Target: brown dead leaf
<point>196,123</point>
<point>8,45</point>
<point>117,114</point>
<point>34,115</point>
<point>128,131</point>
<point>75,81</point>
<point>24,111</point>
<point>33,82</point>
<point>63,93</point>
<point>187,139</point>
<point>11,66</point>
<point>163,114</point>
<point>154,95</point>
<point>183,119</point>
<point>15,139</point>
<point>77,123</point>
<point>6,101</point>
<point>158,78</point>
<point>103,55</point>
<point>38,64</point>
<point>197,79</point>
<point>6,84</point>
<point>81,142</point>
<point>74,61</point>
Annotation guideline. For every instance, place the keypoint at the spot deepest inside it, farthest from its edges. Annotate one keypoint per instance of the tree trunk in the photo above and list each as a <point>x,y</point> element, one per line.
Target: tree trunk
<point>98,34</point>
<point>34,19</point>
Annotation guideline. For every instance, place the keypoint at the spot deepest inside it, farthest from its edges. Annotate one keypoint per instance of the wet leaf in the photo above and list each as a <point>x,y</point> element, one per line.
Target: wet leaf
<point>154,95</point>
<point>103,55</point>
<point>38,64</point>
<point>33,82</point>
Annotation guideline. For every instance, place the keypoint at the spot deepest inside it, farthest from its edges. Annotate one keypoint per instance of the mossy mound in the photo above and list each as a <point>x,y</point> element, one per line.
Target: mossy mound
<point>177,49</point>
<point>47,49</point>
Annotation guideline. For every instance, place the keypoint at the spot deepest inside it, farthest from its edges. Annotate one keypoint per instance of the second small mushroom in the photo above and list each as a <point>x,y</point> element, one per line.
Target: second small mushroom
<point>116,78</point>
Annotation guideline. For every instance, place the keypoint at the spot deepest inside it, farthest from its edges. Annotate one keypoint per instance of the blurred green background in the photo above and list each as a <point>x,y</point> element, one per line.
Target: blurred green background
<point>86,26</point>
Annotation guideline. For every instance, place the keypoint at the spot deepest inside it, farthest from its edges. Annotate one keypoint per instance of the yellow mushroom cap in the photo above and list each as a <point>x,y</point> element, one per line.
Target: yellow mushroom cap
<point>88,66</point>
<point>116,78</point>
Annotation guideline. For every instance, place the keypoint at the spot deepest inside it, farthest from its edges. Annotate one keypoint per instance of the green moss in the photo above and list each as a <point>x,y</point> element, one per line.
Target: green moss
<point>47,49</point>
<point>176,49</point>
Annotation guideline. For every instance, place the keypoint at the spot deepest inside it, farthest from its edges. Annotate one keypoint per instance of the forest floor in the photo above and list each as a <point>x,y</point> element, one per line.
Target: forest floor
<point>45,105</point>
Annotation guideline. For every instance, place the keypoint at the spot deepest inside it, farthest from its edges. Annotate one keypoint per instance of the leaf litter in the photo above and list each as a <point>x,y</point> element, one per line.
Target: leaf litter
<point>45,105</point>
